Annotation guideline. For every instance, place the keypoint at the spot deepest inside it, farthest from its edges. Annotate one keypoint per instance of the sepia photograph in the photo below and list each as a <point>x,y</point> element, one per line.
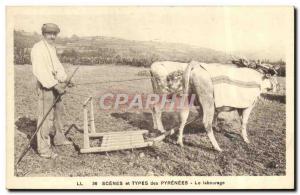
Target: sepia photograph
<point>137,97</point>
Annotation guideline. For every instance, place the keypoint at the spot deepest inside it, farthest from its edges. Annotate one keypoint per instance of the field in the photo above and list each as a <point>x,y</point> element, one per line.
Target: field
<point>265,155</point>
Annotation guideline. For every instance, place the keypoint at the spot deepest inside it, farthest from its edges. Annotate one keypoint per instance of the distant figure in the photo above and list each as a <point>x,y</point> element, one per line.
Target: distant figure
<point>51,78</point>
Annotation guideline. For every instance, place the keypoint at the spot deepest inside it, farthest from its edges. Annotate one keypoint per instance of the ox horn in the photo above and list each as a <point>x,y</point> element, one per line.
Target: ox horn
<point>266,68</point>
<point>233,57</point>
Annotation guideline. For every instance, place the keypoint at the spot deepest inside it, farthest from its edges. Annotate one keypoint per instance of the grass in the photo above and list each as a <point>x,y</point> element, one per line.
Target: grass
<point>264,156</point>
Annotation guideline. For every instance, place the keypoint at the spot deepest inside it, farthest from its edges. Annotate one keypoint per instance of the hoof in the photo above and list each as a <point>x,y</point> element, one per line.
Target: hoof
<point>247,141</point>
<point>218,149</point>
<point>161,130</point>
<point>180,143</point>
<point>217,129</point>
<point>172,131</point>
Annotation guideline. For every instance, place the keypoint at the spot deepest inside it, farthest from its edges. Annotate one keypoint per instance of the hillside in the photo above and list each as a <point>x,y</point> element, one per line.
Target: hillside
<point>98,50</point>
<point>95,50</point>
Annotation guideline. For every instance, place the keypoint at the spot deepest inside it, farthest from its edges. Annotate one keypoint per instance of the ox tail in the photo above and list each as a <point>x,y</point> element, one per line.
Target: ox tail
<point>186,77</point>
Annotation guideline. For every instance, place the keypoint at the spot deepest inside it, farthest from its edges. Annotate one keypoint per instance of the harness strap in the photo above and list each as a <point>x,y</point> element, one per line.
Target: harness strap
<point>53,69</point>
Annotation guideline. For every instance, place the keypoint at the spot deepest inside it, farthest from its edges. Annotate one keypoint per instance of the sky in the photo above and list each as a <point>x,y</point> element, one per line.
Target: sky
<point>226,29</point>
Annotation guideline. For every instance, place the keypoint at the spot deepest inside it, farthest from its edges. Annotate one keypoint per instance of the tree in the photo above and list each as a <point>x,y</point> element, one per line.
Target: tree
<point>74,37</point>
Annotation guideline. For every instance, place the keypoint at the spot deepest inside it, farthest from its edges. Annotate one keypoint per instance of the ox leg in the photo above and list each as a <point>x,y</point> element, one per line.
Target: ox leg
<point>208,118</point>
<point>156,111</point>
<point>154,119</point>
<point>208,110</point>
<point>245,116</point>
<point>215,121</point>
<point>157,121</point>
<point>184,114</point>
<point>204,89</point>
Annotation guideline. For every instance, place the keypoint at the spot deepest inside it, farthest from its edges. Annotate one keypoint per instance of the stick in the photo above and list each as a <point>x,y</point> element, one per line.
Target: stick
<point>26,149</point>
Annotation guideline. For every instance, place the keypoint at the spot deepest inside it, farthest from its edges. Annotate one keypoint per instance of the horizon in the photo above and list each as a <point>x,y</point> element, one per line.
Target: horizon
<point>248,55</point>
<point>227,29</point>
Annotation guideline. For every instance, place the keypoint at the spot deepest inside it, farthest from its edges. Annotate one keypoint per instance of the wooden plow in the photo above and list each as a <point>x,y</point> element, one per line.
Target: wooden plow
<point>112,141</point>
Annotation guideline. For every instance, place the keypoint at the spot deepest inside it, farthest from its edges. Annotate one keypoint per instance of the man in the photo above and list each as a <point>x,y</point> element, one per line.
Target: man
<point>51,78</point>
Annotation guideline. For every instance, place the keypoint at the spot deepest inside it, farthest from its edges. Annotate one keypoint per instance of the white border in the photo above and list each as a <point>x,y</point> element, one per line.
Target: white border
<point>105,2</point>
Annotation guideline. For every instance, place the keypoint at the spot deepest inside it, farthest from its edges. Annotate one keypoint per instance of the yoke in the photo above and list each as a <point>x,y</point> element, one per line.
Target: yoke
<point>112,141</point>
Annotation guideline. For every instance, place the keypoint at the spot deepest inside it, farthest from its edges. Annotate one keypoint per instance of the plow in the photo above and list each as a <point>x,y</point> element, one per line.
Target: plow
<point>112,141</point>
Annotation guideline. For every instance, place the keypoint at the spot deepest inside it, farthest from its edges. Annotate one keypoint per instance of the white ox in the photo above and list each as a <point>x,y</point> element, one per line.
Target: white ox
<point>190,78</point>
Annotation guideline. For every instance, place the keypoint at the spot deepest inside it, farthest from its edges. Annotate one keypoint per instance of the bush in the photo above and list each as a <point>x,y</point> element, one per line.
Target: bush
<point>144,73</point>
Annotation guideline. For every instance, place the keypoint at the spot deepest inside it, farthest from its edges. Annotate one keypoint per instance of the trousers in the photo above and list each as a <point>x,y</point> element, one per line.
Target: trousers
<point>52,126</point>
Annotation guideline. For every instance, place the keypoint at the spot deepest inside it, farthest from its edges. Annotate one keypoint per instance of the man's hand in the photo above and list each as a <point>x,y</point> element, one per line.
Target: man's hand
<point>71,84</point>
<point>67,81</point>
<point>60,88</point>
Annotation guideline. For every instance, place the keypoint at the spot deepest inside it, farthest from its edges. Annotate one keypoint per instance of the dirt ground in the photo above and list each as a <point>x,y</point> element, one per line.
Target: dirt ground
<point>265,155</point>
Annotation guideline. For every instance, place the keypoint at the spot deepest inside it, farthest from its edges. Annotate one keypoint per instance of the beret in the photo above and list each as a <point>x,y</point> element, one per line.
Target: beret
<point>50,28</point>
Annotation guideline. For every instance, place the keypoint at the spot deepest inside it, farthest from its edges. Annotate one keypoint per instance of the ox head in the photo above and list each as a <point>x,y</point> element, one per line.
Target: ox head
<point>270,83</point>
<point>270,73</point>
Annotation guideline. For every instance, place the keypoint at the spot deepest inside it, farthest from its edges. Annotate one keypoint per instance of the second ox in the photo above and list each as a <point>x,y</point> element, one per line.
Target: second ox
<point>217,87</point>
